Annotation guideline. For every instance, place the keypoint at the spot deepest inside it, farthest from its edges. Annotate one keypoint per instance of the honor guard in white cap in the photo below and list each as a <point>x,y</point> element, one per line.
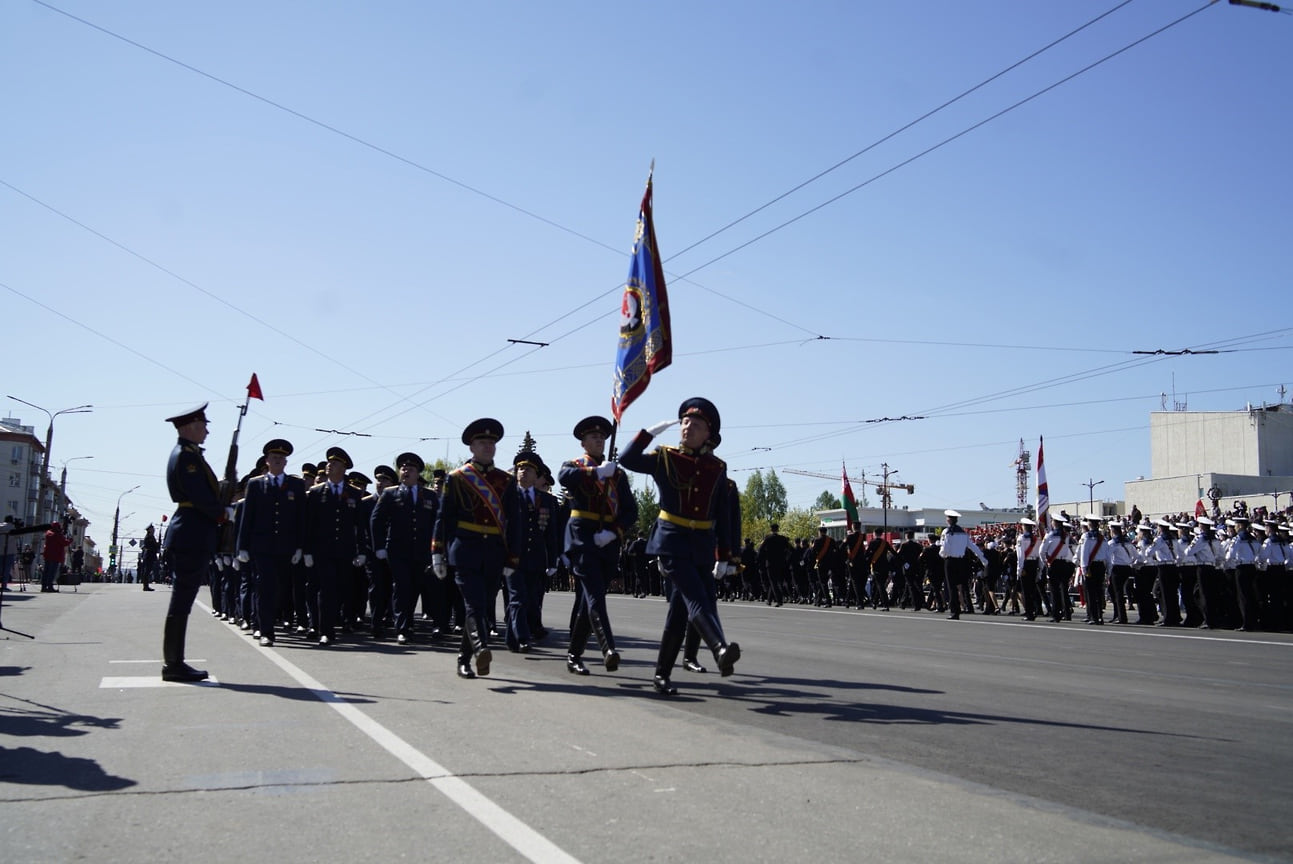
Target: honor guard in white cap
<point>956,543</point>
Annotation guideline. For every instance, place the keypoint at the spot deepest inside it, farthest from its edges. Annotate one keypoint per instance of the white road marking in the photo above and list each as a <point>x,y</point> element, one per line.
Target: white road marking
<point>529,843</point>
<point>135,682</point>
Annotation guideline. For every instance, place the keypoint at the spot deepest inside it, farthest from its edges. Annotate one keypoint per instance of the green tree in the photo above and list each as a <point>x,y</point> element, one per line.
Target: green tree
<point>648,508</point>
<point>776,500</point>
<point>754,501</point>
<point>827,501</point>
<point>799,522</point>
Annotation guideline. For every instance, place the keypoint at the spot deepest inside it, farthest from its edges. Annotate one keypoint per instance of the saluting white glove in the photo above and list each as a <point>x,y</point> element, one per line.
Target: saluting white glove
<point>309,560</point>
<point>244,556</point>
<point>438,565</point>
<point>603,537</point>
<point>381,554</point>
<point>720,569</point>
<point>660,427</point>
<point>359,560</point>
<point>606,469</point>
<point>296,557</point>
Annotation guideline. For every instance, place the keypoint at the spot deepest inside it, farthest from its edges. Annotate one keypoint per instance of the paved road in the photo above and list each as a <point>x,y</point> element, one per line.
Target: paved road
<point>844,736</point>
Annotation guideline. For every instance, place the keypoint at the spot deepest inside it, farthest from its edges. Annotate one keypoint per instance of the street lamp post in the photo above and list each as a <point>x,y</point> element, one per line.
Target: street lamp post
<point>49,443</point>
<point>114,552</point>
<point>62,483</point>
<point>1090,489</point>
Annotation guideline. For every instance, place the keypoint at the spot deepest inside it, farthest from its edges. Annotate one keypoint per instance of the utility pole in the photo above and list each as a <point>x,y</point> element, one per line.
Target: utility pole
<point>1090,489</point>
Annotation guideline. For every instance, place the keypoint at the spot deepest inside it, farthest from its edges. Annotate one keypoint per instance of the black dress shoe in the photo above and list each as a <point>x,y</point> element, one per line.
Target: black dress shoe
<point>183,672</point>
<point>727,657</point>
<point>483,658</point>
<point>955,616</point>
<point>662,686</point>
<point>464,671</point>
<point>575,665</point>
<point>611,660</point>
<point>691,665</point>
<point>524,648</point>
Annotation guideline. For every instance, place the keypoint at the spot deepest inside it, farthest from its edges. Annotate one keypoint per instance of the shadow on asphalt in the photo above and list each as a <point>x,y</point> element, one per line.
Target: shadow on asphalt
<point>34,767</point>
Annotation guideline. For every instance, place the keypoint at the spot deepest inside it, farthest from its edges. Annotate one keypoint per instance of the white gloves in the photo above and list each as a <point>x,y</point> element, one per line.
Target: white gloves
<point>551,571</point>
<point>244,556</point>
<point>438,565</point>
<point>228,514</point>
<point>606,469</point>
<point>660,427</point>
<point>381,554</point>
<point>723,568</point>
<point>296,557</point>
<point>219,563</point>
<point>508,571</point>
<point>309,560</point>
<point>359,560</point>
<point>237,564</point>
<point>602,537</point>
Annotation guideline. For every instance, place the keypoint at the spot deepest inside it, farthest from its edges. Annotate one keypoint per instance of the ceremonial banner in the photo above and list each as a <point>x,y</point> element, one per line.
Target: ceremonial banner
<point>645,343</point>
<point>1043,494</point>
<point>850,503</point>
<point>253,389</point>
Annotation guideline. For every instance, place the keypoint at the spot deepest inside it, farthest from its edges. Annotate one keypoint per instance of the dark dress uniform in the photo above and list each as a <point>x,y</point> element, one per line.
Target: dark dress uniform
<point>692,533</point>
<point>403,526</point>
<point>774,562</point>
<point>335,536</point>
<point>595,505</point>
<point>478,534</point>
<point>272,532</point>
<point>539,551</point>
<point>190,541</point>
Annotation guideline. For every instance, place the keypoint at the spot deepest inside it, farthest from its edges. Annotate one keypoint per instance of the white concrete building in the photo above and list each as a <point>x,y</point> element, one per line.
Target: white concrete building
<point>21,453</point>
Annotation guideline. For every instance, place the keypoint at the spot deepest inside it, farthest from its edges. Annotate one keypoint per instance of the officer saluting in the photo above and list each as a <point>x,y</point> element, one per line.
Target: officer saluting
<point>192,538</point>
<point>693,531</point>
<point>478,533</point>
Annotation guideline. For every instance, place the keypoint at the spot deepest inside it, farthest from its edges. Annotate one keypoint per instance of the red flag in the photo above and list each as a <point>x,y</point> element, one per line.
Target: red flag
<point>1199,509</point>
<point>850,503</point>
<point>253,389</point>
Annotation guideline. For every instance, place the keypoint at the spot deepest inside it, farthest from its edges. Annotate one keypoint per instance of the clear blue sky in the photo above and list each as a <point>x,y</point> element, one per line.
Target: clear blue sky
<point>204,232</point>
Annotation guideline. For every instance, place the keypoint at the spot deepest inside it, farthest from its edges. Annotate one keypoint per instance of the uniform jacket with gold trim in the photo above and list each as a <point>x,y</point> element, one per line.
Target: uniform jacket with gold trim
<point>192,483</point>
<point>611,499</point>
<point>693,486</point>
<point>464,510</point>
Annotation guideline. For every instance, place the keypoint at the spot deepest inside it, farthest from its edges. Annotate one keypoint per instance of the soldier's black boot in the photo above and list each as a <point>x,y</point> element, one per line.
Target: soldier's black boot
<point>690,648</point>
<point>475,631</point>
<point>173,666</point>
<point>670,642</point>
<point>579,627</point>
<point>605,641</point>
<point>725,654</point>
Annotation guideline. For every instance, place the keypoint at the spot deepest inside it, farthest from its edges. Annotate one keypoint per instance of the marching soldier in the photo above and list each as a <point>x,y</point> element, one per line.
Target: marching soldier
<point>1122,559</point>
<point>379,570</point>
<point>1093,566</point>
<point>1203,554</point>
<point>956,544</point>
<point>402,527</point>
<point>1058,558</point>
<point>1146,575</point>
<point>271,533</point>
<point>478,533</point>
<point>692,533</point>
<point>1166,555</point>
<point>335,541</point>
<point>539,549</point>
<point>1028,566</point>
<point>192,538</point>
<point>602,511</point>
<point>1242,558</point>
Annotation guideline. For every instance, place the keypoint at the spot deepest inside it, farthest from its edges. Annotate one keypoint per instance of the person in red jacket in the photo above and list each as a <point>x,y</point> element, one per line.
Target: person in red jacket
<point>55,554</point>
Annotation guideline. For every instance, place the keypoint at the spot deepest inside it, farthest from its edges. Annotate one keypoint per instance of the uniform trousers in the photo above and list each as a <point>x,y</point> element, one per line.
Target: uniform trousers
<point>379,591</point>
<point>477,561</point>
<point>957,575</point>
<point>189,570</point>
<point>273,571</point>
<point>690,601</point>
<point>594,569</point>
<point>405,572</point>
<point>324,582</point>
<point>1147,611</point>
<point>1246,588</point>
<point>1118,581</point>
<point>1169,588</point>
<point>1093,585</point>
<point>1060,573</point>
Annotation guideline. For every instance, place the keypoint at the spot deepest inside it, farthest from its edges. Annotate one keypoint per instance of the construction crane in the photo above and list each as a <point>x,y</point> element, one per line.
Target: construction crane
<point>1023,465</point>
<point>883,486</point>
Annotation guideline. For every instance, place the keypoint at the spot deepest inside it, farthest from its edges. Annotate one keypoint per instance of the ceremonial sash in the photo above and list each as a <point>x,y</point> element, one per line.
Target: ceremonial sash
<point>1099,541</point>
<point>607,487</point>
<point>879,550</point>
<point>1032,544</point>
<point>487,494</point>
<point>1050,559</point>
<point>856,547</point>
<point>821,553</point>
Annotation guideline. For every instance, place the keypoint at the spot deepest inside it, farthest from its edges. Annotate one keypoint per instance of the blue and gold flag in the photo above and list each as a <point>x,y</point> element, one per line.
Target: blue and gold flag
<point>645,343</point>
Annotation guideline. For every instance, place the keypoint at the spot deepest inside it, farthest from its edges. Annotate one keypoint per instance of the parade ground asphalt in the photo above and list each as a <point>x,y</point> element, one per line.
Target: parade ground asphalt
<point>843,736</point>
